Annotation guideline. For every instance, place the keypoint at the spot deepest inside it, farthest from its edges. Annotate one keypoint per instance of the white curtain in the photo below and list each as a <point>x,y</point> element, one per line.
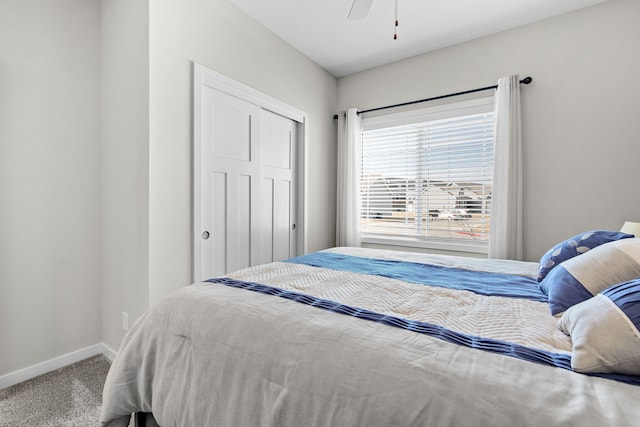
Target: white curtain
<point>505,239</point>
<point>348,203</point>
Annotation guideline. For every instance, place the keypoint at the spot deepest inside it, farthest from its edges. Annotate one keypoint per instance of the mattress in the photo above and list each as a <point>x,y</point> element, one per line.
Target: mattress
<point>353,336</point>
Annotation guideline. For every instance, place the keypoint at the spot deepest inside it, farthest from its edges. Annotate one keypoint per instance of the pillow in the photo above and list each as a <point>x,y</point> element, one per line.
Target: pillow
<point>575,246</point>
<point>605,331</point>
<point>581,277</point>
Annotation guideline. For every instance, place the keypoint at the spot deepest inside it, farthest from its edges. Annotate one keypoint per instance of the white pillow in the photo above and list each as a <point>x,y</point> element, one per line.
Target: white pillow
<point>604,331</point>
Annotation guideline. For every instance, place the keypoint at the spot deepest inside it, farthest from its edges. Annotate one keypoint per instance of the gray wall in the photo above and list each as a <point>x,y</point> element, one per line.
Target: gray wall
<point>124,162</point>
<point>148,51</point>
<point>219,36</point>
<point>49,180</point>
<point>581,146</point>
<point>95,157</point>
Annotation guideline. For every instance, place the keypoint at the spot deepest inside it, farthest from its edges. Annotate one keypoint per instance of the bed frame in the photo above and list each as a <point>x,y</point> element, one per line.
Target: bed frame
<point>145,419</point>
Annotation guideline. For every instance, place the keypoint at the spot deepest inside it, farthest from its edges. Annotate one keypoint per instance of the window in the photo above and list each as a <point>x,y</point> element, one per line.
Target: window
<point>427,177</point>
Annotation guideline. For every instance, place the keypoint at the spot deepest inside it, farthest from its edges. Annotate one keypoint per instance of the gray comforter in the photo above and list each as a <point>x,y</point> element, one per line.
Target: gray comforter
<point>212,355</point>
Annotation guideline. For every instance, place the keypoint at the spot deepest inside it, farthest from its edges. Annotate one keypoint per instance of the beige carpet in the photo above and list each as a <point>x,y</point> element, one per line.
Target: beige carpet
<point>70,397</point>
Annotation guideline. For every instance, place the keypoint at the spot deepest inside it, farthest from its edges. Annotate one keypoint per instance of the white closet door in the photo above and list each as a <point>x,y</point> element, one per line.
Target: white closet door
<point>247,193</point>
<point>229,181</point>
<point>278,143</point>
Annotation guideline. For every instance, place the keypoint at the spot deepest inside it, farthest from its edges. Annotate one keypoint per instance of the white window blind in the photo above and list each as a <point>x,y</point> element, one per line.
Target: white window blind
<point>427,176</point>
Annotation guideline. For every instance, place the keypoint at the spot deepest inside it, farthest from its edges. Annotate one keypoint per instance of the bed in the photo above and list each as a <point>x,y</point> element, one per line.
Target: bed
<point>355,337</point>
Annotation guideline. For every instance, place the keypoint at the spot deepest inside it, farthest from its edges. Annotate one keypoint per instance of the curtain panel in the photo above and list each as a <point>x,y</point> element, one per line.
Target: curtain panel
<point>505,239</point>
<point>348,191</point>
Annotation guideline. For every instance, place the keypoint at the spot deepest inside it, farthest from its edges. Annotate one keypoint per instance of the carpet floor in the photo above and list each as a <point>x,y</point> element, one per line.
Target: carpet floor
<point>69,397</point>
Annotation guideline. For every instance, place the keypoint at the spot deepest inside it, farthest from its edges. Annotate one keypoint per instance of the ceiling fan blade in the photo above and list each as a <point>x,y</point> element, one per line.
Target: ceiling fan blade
<point>359,9</point>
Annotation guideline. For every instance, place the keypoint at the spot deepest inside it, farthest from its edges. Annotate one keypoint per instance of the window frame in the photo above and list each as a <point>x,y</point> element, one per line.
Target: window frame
<point>443,111</point>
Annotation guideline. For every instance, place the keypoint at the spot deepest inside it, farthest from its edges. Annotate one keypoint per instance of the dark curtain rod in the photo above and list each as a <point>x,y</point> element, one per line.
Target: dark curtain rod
<point>525,81</point>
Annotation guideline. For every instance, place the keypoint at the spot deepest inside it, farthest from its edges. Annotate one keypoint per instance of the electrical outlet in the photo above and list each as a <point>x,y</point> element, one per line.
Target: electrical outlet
<point>125,320</point>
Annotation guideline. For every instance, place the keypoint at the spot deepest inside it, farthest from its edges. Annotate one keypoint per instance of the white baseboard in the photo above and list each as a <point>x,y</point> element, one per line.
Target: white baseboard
<point>30,372</point>
<point>108,352</point>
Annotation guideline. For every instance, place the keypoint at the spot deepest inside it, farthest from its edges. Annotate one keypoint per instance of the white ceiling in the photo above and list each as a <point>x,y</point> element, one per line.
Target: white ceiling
<point>320,28</point>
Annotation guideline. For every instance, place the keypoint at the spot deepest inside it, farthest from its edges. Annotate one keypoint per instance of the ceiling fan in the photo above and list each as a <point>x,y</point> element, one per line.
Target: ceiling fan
<point>360,9</point>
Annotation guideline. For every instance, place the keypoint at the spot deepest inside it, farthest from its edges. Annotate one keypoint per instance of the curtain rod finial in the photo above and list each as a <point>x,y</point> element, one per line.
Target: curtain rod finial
<point>526,80</point>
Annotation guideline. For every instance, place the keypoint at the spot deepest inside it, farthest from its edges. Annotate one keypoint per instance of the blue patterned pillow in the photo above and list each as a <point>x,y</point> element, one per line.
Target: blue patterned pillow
<point>575,246</point>
<point>580,278</point>
<point>605,331</point>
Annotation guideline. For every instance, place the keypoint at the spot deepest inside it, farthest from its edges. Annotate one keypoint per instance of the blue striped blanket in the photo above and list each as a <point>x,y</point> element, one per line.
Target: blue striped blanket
<point>483,283</point>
